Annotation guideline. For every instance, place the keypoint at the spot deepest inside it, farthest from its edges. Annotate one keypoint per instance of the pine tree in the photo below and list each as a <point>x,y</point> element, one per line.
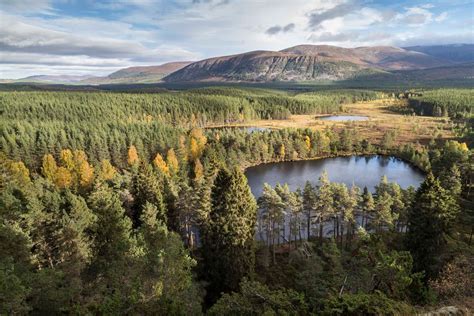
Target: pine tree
<point>272,215</point>
<point>429,223</point>
<point>451,180</point>
<point>325,202</point>
<point>383,216</point>
<point>111,232</point>
<point>228,239</point>
<point>309,206</point>
<point>368,207</point>
<point>147,187</point>
<point>167,285</point>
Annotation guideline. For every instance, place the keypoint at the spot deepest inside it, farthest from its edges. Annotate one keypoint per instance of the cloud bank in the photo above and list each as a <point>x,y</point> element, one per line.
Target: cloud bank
<point>87,37</point>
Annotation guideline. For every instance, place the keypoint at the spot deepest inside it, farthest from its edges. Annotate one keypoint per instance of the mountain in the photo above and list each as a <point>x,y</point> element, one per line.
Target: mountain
<point>148,72</point>
<point>457,53</point>
<point>304,63</point>
<point>145,74</point>
<point>56,78</point>
<point>299,63</point>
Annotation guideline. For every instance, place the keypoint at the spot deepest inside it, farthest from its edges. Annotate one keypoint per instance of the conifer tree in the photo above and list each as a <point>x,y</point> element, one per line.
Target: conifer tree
<point>429,223</point>
<point>106,171</point>
<point>132,156</point>
<point>383,216</point>
<point>49,167</point>
<point>451,180</point>
<point>167,285</point>
<point>147,187</point>
<point>368,207</point>
<point>172,161</point>
<point>325,202</point>
<point>228,246</point>
<point>161,164</point>
<point>272,216</point>
<point>309,206</point>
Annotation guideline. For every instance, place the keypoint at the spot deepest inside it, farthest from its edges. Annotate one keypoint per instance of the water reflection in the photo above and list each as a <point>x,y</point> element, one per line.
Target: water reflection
<point>363,171</point>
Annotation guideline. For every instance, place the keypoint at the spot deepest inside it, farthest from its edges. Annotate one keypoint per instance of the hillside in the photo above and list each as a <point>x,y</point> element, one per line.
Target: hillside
<point>458,53</point>
<point>304,63</point>
<point>144,74</point>
<point>56,78</point>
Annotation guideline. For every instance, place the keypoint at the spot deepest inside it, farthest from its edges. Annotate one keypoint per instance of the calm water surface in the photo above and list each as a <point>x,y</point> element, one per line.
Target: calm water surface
<point>363,171</point>
<point>344,118</point>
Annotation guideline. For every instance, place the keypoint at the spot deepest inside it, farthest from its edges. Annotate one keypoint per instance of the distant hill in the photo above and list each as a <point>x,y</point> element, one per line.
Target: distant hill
<point>56,78</point>
<point>458,53</point>
<point>146,73</point>
<point>306,62</point>
<point>299,63</point>
<point>455,72</point>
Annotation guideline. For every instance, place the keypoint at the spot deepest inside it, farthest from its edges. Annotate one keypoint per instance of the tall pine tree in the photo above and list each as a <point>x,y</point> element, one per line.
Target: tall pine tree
<point>228,238</point>
<point>429,222</point>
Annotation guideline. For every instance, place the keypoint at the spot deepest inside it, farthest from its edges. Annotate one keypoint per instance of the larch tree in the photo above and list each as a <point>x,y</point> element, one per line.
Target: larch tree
<point>106,171</point>
<point>49,167</point>
<point>172,161</point>
<point>160,164</point>
<point>132,156</point>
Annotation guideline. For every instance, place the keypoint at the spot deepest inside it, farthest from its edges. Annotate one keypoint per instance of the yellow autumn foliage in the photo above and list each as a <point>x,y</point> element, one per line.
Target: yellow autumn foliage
<point>161,164</point>
<point>132,158</point>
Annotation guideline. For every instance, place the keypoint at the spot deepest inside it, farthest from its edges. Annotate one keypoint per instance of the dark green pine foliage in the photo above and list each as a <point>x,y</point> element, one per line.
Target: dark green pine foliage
<point>228,237</point>
<point>112,230</point>
<point>429,223</point>
<point>147,187</point>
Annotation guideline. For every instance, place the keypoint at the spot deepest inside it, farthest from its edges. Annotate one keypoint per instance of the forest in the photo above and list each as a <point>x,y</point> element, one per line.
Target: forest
<point>118,203</point>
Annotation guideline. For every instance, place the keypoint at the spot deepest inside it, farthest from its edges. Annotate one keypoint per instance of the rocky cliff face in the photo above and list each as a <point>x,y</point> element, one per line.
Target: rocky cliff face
<point>267,66</point>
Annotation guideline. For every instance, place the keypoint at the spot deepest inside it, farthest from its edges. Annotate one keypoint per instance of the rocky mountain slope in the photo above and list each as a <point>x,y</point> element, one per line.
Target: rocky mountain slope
<point>306,62</point>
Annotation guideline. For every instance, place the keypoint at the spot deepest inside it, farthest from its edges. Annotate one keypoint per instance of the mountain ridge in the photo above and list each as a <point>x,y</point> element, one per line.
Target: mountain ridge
<point>306,62</point>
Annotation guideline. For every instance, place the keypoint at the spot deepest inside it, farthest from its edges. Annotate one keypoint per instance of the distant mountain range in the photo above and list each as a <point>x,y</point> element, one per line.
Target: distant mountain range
<point>302,63</point>
<point>146,74</point>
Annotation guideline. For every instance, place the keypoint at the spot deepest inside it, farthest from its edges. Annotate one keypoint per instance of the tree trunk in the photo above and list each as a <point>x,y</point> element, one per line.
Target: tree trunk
<point>309,224</point>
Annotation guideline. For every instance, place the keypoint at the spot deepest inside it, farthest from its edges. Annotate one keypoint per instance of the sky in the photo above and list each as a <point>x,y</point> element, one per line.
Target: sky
<point>87,37</point>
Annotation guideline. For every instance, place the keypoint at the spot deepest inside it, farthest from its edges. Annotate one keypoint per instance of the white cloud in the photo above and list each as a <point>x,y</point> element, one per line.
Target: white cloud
<point>140,32</point>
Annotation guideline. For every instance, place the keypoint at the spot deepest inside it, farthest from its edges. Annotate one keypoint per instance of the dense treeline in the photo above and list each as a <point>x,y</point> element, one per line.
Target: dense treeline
<point>106,124</point>
<point>121,204</point>
<point>444,102</point>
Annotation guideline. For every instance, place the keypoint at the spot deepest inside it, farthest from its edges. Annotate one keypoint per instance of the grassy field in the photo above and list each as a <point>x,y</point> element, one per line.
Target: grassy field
<point>382,118</point>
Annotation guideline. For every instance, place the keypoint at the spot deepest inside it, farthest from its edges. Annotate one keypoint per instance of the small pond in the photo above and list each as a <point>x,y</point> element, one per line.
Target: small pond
<point>343,118</point>
<point>363,171</point>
